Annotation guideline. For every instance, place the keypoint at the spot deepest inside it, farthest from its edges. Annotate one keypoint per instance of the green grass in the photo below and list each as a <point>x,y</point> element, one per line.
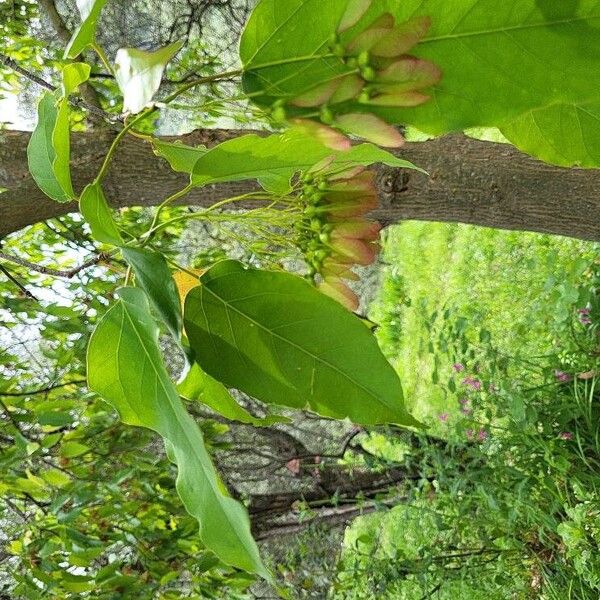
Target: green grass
<point>518,286</point>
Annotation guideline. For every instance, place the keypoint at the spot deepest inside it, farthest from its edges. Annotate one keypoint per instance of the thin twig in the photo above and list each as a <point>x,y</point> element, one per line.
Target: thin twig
<point>43,390</point>
<point>67,274</point>
<point>12,278</point>
<point>12,64</point>
<point>12,419</point>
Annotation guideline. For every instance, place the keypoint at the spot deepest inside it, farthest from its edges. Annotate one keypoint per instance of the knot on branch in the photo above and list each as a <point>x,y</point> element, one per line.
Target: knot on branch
<point>391,183</point>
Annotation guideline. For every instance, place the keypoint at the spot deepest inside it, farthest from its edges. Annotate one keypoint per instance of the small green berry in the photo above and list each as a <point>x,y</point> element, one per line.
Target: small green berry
<point>363,59</point>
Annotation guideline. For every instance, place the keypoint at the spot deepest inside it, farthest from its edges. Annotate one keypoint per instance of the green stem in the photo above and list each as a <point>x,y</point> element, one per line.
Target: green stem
<point>155,227</point>
<point>186,190</point>
<point>111,151</point>
<point>103,58</point>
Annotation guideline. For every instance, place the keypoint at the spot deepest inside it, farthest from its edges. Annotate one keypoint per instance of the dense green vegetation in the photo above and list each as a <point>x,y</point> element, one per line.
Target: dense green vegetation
<point>497,338</point>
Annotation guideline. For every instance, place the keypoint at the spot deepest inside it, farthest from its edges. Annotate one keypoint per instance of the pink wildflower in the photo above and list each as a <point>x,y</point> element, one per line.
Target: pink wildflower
<point>562,376</point>
<point>566,435</point>
<point>458,367</point>
<point>482,435</point>
<point>444,417</point>
<point>472,383</point>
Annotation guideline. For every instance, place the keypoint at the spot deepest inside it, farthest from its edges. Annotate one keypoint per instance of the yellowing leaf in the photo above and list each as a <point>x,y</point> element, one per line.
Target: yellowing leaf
<point>186,282</point>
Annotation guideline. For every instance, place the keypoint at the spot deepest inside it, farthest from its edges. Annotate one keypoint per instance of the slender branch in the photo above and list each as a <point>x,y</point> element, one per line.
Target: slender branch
<point>12,64</point>
<point>67,274</point>
<point>12,278</point>
<point>44,390</point>
<point>11,418</point>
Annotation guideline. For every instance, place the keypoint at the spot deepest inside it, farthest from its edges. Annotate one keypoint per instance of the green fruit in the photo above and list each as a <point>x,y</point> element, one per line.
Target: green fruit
<point>327,116</point>
<point>368,73</point>
<point>363,59</point>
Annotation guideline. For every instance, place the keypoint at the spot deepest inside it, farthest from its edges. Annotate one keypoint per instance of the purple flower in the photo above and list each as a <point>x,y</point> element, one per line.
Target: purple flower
<point>482,435</point>
<point>458,367</point>
<point>444,417</point>
<point>584,311</point>
<point>472,383</point>
<point>466,411</point>
<point>470,434</point>
<point>562,376</point>
<point>566,435</point>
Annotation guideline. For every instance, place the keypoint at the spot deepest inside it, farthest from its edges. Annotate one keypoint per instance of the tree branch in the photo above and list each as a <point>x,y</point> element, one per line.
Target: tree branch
<point>44,390</point>
<point>91,108</point>
<point>12,278</point>
<point>67,274</point>
<point>481,183</point>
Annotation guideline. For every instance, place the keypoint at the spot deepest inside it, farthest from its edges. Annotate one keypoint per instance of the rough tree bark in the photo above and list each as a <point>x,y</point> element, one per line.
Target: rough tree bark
<point>481,183</point>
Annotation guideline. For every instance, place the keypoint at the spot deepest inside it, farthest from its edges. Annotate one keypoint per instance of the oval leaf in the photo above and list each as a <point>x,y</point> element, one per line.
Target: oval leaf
<point>96,212</point>
<point>153,275</point>
<point>201,387</point>
<point>273,160</point>
<point>48,152</point>
<point>277,338</point>
<point>125,368</point>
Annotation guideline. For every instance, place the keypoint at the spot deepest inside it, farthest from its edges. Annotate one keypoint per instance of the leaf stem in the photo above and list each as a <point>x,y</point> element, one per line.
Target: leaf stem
<point>111,151</point>
<point>103,58</point>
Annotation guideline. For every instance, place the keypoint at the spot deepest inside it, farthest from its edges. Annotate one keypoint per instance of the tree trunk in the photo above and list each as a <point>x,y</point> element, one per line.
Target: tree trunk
<point>480,183</point>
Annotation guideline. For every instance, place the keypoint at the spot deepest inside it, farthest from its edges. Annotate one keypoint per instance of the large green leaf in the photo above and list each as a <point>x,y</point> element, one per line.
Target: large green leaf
<point>153,275</point>
<point>48,152</point>
<point>139,74</point>
<point>278,34</point>
<point>277,338</point>
<point>126,369</point>
<point>73,75</point>
<point>500,61</point>
<point>274,159</point>
<point>563,134</point>
<point>96,212</point>
<point>85,34</point>
<point>201,387</point>
<point>181,157</point>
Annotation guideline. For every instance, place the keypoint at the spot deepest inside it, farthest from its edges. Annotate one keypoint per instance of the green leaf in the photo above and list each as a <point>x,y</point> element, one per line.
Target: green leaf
<point>73,449</point>
<point>273,160</point>
<point>153,275</point>
<point>277,338</point>
<point>125,368</point>
<point>85,34</point>
<point>201,387</point>
<point>182,158</point>
<point>503,65</point>
<point>74,74</point>
<point>139,74</point>
<point>562,134</point>
<point>501,60</point>
<point>277,34</point>
<point>96,212</point>
<point>48,152</point>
